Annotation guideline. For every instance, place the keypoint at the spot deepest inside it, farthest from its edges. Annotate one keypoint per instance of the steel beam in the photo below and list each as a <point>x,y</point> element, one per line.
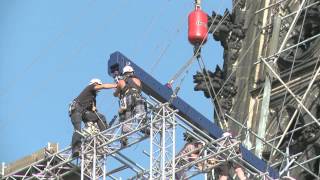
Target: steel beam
<point>163,93</point>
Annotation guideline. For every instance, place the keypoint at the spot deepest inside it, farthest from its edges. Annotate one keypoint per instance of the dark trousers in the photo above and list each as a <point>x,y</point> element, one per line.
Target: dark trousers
<point>87,116</point>
<point>135,106</point>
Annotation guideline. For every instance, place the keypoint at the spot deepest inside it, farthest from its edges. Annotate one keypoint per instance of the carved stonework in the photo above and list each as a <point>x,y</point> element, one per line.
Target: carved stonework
<point>306,27</point>
<point>230,34</point>
<point>296,68</point>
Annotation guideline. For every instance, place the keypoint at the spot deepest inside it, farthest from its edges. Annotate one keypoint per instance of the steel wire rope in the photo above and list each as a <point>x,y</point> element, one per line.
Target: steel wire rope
<point>197,50</point>
<point>165,49</point>
<point>240,60</point>
<point>44,50</point>
<point>187,66</point>
<point>286,93</point>
<point>234,69</point>
<point>148,30</point>
<point>274,141</point>
<point>209,86</point>
<point>268,162</point>
<point>112,104</point>
<point>190,61</point>
<point>162,53</point>
<point>238,64</point>
<point>76,51</point>
<point>251,45</point>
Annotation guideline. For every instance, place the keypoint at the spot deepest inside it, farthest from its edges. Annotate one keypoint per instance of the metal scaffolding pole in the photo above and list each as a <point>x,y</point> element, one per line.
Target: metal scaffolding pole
<point>293,23</point>
<point>162,143</point>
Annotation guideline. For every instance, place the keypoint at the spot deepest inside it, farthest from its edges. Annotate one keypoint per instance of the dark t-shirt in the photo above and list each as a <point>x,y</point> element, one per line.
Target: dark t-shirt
<point>87,97</point>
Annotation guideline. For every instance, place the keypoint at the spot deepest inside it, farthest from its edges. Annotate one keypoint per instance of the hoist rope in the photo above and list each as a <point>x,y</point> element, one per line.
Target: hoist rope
<point>43,52</point>
<point>191,60</point>
<point>164,49</point>
<point>209,86</point>
<point>197,50</point>
<point>52,74</point>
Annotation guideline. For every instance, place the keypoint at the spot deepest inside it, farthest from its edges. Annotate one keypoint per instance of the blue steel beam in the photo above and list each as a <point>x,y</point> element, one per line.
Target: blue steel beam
<point>162,93</point>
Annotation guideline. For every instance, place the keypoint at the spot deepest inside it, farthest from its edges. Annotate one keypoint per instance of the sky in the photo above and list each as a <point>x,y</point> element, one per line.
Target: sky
<point>49,51</point>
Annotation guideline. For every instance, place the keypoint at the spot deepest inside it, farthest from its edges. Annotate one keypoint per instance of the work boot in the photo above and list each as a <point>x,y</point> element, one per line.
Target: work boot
<point>76,151</point>
<point>145,131</point>
<point>124,142</point>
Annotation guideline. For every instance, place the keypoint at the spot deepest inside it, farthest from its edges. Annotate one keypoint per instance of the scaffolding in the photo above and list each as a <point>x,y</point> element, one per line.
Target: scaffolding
<point>298,86</point>
<point>98,147</point>
<point>164,125</point>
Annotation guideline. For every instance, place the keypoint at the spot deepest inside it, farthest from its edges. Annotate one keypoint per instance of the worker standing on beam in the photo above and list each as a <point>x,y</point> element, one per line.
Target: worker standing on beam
<point>131,102</point>
<point>83,108</point>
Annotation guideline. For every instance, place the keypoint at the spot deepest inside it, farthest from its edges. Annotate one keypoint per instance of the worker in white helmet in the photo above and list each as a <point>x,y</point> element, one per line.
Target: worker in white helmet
<point>132,103</point>
<point>190,152</point>
<point>83,108</point>
<point>224,167</point>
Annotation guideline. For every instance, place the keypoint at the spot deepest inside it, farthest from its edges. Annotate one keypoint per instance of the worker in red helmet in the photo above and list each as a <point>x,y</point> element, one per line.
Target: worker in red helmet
<point>132,103</point>
<point>83,108</point>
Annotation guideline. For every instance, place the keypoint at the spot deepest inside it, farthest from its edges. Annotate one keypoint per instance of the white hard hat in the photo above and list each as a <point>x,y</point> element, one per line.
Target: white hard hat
<point>95,80</point>
<point>226,134</point>
<point>127,69</point>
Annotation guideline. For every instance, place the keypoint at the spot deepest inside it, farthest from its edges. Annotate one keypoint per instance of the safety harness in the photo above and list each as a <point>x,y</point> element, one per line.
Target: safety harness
<point>131,87</point>
<point>131,90</point>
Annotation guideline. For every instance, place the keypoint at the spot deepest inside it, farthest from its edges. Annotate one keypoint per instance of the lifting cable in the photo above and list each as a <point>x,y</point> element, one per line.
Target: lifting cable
<point>75,52</point>
<point>164,50</point>
<point>209,86</point>
<point>45,50</point>
<point>197,50</point>
<point>147,30</point>
<point>186,66</point>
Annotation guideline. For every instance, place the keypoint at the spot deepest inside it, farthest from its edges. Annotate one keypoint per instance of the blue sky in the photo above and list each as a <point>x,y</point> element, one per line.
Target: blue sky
<point>49,50</point>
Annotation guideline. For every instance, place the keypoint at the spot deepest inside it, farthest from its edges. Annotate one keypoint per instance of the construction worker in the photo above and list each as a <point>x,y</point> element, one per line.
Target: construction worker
<point>190,152</point>
<point>83,108</point>
<point>224,167</point>
<point>131,102</point>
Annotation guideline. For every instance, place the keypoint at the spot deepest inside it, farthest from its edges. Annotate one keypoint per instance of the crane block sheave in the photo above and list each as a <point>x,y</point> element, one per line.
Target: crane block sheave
<point>163,93</point>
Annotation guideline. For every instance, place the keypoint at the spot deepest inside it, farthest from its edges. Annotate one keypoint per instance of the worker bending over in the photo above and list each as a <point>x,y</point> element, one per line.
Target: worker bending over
<point>190,152</point>
<point>131,102</point>
<point>83,108</point>
<point>224,167</point>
